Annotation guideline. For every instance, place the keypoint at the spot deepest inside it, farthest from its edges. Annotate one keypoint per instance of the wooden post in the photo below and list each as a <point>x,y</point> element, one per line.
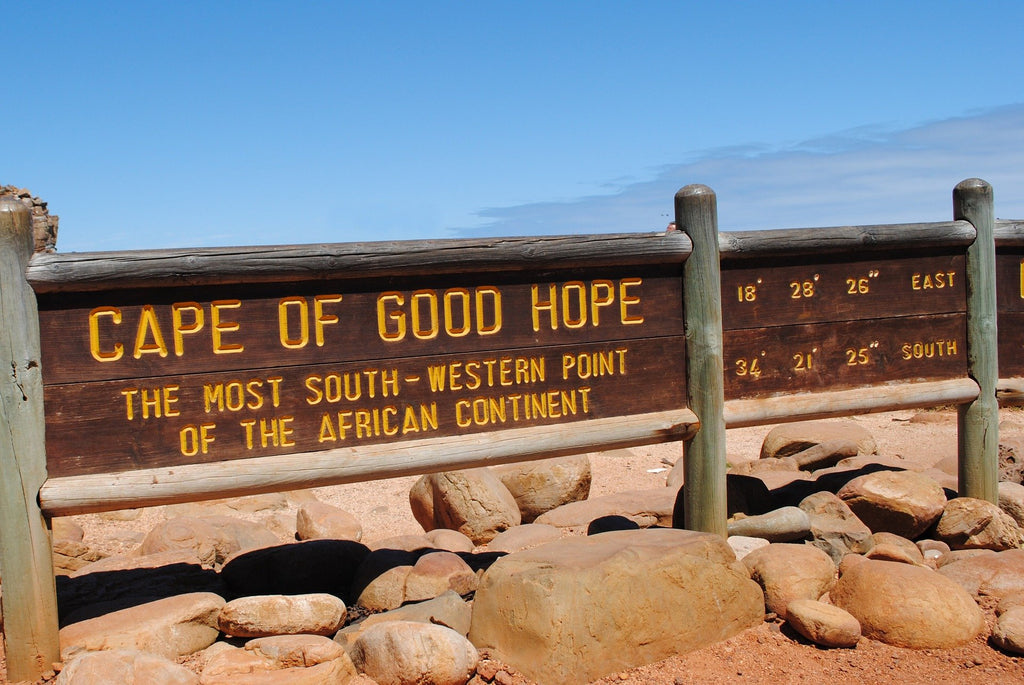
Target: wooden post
<point>26,562</point>
<point>978,421</point>
<point>703,494</point>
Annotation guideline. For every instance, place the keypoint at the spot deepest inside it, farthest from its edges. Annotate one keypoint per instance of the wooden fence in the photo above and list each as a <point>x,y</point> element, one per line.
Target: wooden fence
<point>177,375</point>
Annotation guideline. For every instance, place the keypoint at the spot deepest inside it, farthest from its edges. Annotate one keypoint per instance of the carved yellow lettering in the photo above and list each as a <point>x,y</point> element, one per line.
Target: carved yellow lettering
<point>220,327</point>
<point>94,334</point>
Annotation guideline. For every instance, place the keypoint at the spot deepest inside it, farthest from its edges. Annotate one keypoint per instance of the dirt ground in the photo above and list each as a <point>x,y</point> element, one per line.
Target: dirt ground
<point>769,653</point>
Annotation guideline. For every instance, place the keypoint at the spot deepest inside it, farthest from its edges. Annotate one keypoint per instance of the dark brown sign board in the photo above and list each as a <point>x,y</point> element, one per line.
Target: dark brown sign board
<point>158,377</point>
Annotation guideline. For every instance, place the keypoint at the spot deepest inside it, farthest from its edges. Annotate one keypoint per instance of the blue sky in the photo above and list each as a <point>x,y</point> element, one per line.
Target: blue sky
<point>149,125</point>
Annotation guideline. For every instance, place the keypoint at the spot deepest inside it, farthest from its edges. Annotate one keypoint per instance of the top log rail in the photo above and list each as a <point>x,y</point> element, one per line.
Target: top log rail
<point>820,242</point>
<point>95,271</point>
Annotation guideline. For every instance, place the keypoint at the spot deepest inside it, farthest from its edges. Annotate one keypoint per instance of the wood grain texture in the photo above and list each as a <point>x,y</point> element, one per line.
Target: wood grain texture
<point>834,404</point>
<point>821,242</point>
<point>91,271</point>
<point>978,421</point>
<point>149,487</point>
<point>29,599</point>
<point>703,505</point>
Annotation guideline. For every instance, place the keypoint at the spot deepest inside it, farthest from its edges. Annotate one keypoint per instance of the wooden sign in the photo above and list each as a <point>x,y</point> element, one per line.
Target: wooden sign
<point>805,326</point>
<point>166,376</point>
<point>1010,304</point>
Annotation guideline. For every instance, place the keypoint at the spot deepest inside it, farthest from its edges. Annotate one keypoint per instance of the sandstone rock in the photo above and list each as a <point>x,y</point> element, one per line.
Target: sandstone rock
<point>261,616</point>
<point>787,571</point>
<point>448,610</point>
<point>316,520</point>
<point>742,546</point>
<point>577,609</point>
<point>190,534</point>
<point>301,568</point>
<point>409,543</point>
<point>645,507</point>
<point>125,563</point>
<point>825,454</point>
<point>242,535</point>
<point>901,502</point>
<point>449,540</point>
<point>386,591</point>
<point>421,502</point>
<point>929,545</point>
<point>908,606</point>
<point>1011,500</point>
<point>835,529</point>
<point>473,502</point>
<point>524,537</point>
<point>72,555</point>
<point>250,504</point>
<point>435,573</point>
<point>823,624</point>
<point>969,523</point>
<point>1008,632</point>
<point>401,652</point>
<point>1011,460</point>
<point>956,555</point>
<point>251,667</point>
<point>66,528</point>
<point>791,438</point>
<point>991,574</point>
<point>782,525</point>
<point>170,627</point>
<point>124,666</point>
<point>540,486</point>
<point>289,651</point>
<point>891,547</point>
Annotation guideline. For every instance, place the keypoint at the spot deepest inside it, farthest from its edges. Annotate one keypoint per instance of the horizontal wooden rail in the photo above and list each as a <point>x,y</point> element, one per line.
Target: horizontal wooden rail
<point>1009,233</point>
<point>818,242</point>
<point>1010,389</point>
<point>150,487</point>
<point>92,271</point>
<point>839,403</point>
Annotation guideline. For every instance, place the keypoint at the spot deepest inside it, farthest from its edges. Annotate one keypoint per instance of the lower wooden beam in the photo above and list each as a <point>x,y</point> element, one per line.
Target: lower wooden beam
<point>151,487</point>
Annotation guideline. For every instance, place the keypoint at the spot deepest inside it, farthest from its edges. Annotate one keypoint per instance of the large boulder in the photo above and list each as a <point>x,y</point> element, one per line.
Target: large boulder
<point>315,520</point>
<point>540,486</point>
<point>169,628</point>
<point>448,610</point>
<point>908,606</point>
<point>988,574</point>
<point>902,502</point>
<point>781,525</point>
<point>266,615</point>
<point>281,660</point>
<point>577,609</point>
<point>835,529</point>
<point>124,666</point>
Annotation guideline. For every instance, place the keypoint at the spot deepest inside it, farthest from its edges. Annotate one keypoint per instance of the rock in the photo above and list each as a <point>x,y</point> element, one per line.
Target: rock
<point>124,666</point>
<point>835,529</point>
<point>787,571</point>
<point>890,547</point>
<point>125,563</point>
<point>524,537</point>
<point>901,502</point>
<point>956,555</point>
<point>450,540</point>
<point>790,438</point>
<point>540,486</point>
<point>66,528</point>
<point>190,534</point>
<point>825,454</point>
<point>316,520</point>
<point>72,555</point>
<point>782,525</point>
<point>288,651</point>
<point>742,546</point>
<point>170,627</point>
<point>242,535</point>
<point>473,502</point>
<point>1011,500</point>
<point>401,652</point>
<point>823,624</point>
<point>577,609</point>
<point>969,523</point>
<point>908,606</point>
<point>386,591</point>
<point>448,610</point>
<point>989,574</point>
<point>301,568</point>
<point>435,573</point>
<point>1011,460</point>
<point>264,615</point>
<point>645,507</point>
<point>252,666</point>
<point>1008,632</point>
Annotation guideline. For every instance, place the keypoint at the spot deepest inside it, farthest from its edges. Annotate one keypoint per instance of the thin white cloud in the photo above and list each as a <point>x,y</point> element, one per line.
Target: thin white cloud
<point>869,175</point>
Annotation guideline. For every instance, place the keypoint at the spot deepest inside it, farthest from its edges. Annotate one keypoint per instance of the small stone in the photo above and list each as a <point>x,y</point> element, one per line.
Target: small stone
<point>823,624</point>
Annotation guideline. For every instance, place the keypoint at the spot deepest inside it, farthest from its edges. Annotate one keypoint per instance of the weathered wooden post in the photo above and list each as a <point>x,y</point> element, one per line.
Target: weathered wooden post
<point>978,425</point>
<point>704,497</point>
<point>29,595</point>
